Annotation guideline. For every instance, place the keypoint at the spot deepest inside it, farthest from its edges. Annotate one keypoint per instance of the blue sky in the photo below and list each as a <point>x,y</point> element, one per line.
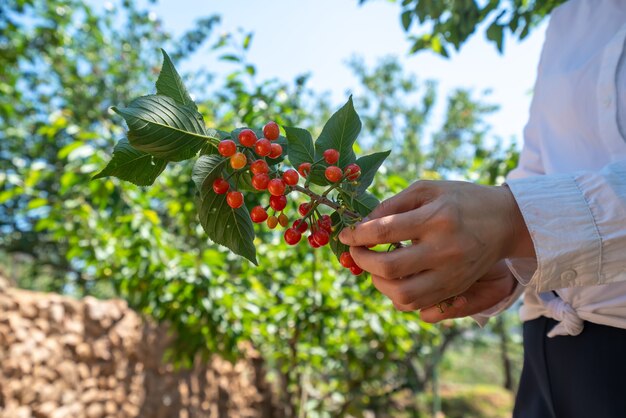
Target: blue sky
<point>318,36</point>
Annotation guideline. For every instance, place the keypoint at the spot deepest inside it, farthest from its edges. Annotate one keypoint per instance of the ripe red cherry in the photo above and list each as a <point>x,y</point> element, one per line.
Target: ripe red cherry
<point>300,225</point>
<point>260,181</point>
<point>278,203</point>
<point>220,186</point>
<point>227,148</point>
<point>263,147</point>
<point>234,199</point>
<point>292,236</point>
<point>283,220</point>
<point>247,137</point>
<point>331,156</point>
<point>238,160</point>
<point>345,259</point>
<point>271,131</point>
<point>304,169</point>
<point>312,242</point>
<point>322,237</point>
<point>276,151</point>
<point>291,177</point>
<point>325,223</point>
<point>276,187</point>
<point>272,221</point>
<point>259,167</point>
<point>304,208</point>
<point>333,174</point>
<point>353,172</point>
<point>258,214</point>
<point>356,270</point>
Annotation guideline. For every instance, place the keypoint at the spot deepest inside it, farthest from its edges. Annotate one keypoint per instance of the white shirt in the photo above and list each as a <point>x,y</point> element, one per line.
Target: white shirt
<point>570,184</point>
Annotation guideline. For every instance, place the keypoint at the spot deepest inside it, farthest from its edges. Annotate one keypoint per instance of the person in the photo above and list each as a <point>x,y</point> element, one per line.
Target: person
<point>556,231</point>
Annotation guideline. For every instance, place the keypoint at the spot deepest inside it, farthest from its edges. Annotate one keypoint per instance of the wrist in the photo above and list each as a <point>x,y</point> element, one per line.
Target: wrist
<point>518,238</point>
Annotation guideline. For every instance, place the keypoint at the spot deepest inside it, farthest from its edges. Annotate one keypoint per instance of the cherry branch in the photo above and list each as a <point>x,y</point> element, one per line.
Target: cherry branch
<point>326,201</point>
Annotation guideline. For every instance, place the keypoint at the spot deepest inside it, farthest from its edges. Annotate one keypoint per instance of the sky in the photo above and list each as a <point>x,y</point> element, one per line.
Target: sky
<point>319,36</point>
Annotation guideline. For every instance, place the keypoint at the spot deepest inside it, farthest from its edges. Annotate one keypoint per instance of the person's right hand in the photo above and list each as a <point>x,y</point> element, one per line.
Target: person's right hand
<point>489,290</point>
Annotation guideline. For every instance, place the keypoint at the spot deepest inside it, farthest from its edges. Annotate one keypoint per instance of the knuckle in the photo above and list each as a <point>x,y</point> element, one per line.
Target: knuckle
<point>389,269</point>
<point>382,231</point>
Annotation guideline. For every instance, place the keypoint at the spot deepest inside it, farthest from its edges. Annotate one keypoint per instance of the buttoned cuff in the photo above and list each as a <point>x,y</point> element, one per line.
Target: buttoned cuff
<point>565,236</point>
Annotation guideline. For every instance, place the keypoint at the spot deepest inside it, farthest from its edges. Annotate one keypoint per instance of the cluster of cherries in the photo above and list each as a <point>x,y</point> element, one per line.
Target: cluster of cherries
<point>278,184</point>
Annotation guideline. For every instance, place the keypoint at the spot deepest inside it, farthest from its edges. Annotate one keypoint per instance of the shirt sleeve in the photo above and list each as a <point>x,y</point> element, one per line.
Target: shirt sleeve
<point>577,223</point>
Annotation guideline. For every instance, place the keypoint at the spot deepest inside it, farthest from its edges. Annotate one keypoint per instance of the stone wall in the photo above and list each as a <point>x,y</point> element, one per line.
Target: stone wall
<point>61,357</point>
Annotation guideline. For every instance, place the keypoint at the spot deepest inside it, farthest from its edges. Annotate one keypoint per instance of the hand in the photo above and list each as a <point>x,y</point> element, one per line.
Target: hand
<point>489,290</point>
<point>459,230</point>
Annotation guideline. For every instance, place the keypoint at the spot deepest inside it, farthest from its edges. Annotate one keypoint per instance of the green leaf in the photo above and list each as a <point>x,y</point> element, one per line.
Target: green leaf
<point>407,18</point>
<point>226,226</point>
<point>363,203</point>
<point>369,167</point>
<point>159,126</point>
<point>301,147</point>
<point>339,133</point>
<point>132,165</point>
<point>206,169</point>
<point>170,84</point>
<point>495,33</point>
<point>337,246</point>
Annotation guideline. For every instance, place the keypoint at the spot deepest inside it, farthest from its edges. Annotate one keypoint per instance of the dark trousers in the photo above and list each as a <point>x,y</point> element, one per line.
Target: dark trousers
<point>572,377</point>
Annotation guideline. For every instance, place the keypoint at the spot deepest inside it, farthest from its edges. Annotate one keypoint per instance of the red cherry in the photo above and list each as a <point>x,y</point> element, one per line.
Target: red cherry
<point>259,167</point>
<point>260,181</point>
<point>272,221</point>
<point>234,199</point>
<point>238,160</point>
<point>220,186</point>
<point>227,148</point>
<point>312,242</point>
<point>325,223</point>
<point>276,151</point>
<point>263,147</point>
<point>333,174</point>
<point>276,187</point>
<point>291,177</point>
<point>304,169</point>
<point>300,225</point>
<point>353,172</point>
<point>247,137</point>
<point>345,259</point>
<point>258,214</point>
<point>278,203</point>
<point>331,156</point>
<point>304,208</point>
<point>283,220</point>
<point>292,236</point>
<point>271,131</point>
<point>356,270</point>
<point>322,237</point>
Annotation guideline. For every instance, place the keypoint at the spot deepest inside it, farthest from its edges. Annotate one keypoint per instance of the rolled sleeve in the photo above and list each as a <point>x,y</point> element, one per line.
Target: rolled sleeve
<point>577,223</point>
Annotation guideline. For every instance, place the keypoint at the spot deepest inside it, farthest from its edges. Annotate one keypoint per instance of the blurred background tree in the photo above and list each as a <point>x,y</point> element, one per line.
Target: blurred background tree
<point>331,343</point>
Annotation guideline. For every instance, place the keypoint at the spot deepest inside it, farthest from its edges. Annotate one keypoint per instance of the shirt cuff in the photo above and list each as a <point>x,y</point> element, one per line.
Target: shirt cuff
<point>566,239</point>
<point>482,317</point>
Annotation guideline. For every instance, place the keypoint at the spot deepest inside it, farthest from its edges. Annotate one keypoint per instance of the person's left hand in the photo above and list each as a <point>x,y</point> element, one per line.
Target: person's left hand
<point>459,231</point>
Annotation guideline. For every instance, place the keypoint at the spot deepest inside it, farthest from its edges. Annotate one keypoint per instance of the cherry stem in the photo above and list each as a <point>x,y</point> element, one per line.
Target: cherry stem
<point>326,201</point>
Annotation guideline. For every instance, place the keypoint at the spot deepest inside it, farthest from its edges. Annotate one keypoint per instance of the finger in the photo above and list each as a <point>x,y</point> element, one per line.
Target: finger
<point>410,198</point>
<point>387,229</point>
<point>456,308</point>
<point>406,308</point>
<point>418,291</point>
<point>401,262</point>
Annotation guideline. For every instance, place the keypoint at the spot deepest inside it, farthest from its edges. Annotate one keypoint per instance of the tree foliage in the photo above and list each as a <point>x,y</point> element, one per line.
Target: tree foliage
<point>321,332</point>
<point>442,25</point>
